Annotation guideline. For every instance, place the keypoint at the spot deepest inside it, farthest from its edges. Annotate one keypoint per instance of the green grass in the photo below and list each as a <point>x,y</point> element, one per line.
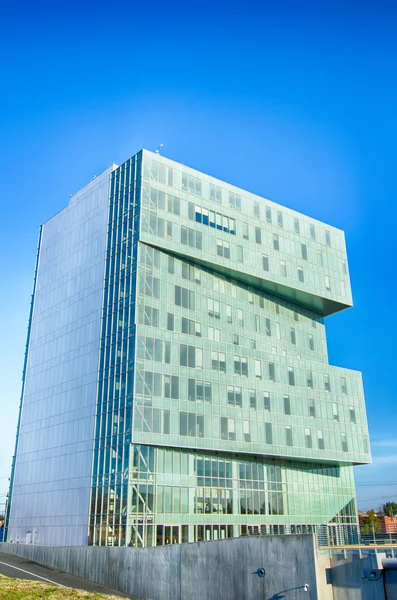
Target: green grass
<point>21,589</point>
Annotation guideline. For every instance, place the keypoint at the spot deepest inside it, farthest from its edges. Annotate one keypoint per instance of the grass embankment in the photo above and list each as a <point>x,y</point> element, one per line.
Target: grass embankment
<point>21,589</point>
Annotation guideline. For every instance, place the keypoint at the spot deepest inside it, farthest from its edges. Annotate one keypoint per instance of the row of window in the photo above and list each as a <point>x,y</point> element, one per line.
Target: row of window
<point>158,199</point>
<point>152,258</point>
<point>193,185</point>
<point>151,384</point>
<point>192,425</point>
<point>212,219</point>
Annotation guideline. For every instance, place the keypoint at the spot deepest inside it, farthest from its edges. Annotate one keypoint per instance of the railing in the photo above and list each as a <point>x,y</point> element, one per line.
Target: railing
<point>353,535</point>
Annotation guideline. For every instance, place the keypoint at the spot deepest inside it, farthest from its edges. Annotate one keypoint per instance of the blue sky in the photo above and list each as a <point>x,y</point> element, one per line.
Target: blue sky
<point>297,104</point>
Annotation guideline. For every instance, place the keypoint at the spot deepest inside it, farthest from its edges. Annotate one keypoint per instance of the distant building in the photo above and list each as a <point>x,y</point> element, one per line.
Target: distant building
<point>177,384</point>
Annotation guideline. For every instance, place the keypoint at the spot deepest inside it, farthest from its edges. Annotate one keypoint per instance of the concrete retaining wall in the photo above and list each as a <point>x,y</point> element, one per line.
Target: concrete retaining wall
<point>219,570</point>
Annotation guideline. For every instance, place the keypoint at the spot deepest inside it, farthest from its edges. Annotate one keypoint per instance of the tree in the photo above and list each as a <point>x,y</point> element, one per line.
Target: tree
<point>371,523</point>
<point>390,509</point>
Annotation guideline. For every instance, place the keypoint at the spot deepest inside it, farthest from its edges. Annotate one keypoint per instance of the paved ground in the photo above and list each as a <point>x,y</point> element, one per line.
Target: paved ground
<point>22,568</point>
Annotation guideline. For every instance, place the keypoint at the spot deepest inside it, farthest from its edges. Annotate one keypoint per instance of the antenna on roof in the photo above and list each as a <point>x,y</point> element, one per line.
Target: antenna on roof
<point>159,148</point>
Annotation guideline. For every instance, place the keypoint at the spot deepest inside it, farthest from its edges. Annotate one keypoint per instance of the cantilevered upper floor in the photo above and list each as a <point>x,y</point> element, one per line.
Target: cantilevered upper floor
<point>245,236</point>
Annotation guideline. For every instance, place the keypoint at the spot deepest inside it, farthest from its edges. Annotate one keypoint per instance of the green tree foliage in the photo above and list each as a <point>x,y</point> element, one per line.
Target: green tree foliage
<point>390,509</point>
<point>371,523</point>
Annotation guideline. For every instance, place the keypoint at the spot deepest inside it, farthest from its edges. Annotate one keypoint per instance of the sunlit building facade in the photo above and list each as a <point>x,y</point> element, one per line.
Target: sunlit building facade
<point>177,385</point>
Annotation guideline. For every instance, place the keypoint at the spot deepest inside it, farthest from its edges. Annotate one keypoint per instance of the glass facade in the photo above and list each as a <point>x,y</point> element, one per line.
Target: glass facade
<point>217,413</point>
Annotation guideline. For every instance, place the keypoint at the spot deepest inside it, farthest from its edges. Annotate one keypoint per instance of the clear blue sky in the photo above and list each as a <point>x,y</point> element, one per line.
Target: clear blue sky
<point>296,103</point>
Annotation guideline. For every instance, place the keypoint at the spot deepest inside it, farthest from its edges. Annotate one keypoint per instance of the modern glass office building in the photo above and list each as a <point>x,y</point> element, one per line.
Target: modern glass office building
<point>176,383</point>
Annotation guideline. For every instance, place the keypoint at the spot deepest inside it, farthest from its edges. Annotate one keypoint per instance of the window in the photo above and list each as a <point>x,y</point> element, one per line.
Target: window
<point>309,379</point>
<point>223,248</point>
<point>184,297</point>
<point>153,349</point>
<point>268,214</point>
<point>234,395</point>
<point>215,193</point>
<point>283,268</point>
<point>235,201</point>
<point>150,286</point>
<point>190,237</point>
<point>304,251</point>
<point>228,313</point>
<point>256,210</point>
<point>191,424</point>
<point>268,433</point>
<point>293,335</point>
<point>240,366</point>
<point>308,438</point>
<point>171,386</point>
<point>245,231</point>
<point>258,235</point>
<point>352,414</point>
<point>213,308</point>
<point>268,326</point>
<point>240,255</point>
<point>211,218</point>
<point>148,316</point>
<point>272,372</point>
<point>191,327</point>
<point>203,391</point>
<point>240,318</point>
<point>258,369</point>
<point>327,384</point>
<point>236,339</point>
<point>190,272</point>
<point>287,405</point>
<point>228,431</point>
<point>320,258</point>
<point>328,238</point>
<point>300,275</point>
<point>276,243</point>
<point>266,401</point>
<point>291,376</point>
<point>265,263</point>
<point>343,385</point>
<point>191,184</point>
<point>344,267</point>
<point>252,395</point>
<point>335,412</point>
<point>296,226</point>
<point>288,436</point>
<point>320,439</point>
<point>311,342</point>
<point>246,431</point>
<point>218,361</point>
<point>173,204</point>
<point>312,232</point>
<point>312,408</point>
<point>171,264</point>
<point>280,218</point>
<point>170,322</point>
<point>190,356</point>
<point>343,438</point>
<point>214,334</point>
<point>327,283</point>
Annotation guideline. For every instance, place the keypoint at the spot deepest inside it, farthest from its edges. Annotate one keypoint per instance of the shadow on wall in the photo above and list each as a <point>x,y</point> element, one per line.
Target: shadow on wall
<point>361,576</point>
<point>280,595</point>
